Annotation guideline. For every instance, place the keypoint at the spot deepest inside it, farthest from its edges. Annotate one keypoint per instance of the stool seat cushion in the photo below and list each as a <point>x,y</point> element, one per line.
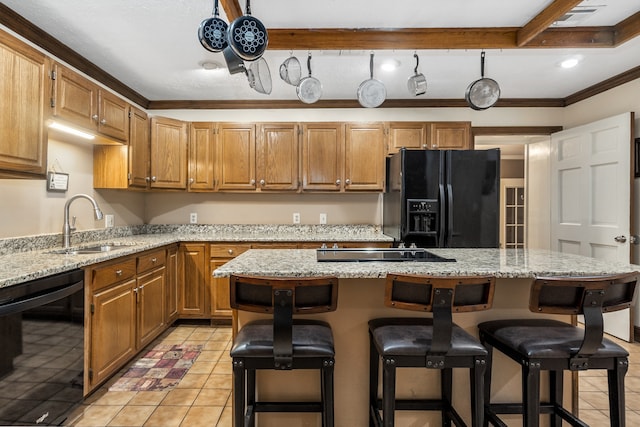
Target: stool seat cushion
<point>408,336</point>
<point>310,339</point>
<point>544,338</point>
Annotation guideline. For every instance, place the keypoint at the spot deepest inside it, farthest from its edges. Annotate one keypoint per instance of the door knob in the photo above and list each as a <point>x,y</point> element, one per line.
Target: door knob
<point>620,239</point>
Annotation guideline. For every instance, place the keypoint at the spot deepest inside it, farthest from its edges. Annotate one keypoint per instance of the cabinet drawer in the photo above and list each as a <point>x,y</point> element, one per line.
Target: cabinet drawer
<point>114,273</point>
<point>227,251</point>
<point>151,260</point>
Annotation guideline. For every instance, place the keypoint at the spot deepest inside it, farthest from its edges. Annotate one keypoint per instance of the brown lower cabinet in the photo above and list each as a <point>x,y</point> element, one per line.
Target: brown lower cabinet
<point>193,273</point>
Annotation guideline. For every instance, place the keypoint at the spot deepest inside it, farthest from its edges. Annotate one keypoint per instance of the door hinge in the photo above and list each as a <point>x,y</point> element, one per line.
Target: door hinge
<point>53,102</point>
<point>54,75</point>
<point>634,239</point>
<point>90,375</point>
<point>92,309</point>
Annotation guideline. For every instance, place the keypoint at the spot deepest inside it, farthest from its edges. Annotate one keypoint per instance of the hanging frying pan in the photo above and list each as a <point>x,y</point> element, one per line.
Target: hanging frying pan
<point>213,32</point>
<point>247,36</point>
<point>309,89</point>
<point>417,84</point>
<point>484,92</point>
<point>371,92</point>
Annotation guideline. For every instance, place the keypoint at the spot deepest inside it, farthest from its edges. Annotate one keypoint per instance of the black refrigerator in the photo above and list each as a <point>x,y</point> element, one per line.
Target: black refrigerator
<point>443,198</point>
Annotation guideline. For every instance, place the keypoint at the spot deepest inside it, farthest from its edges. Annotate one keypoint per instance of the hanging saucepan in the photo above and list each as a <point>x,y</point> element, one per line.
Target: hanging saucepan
<point>213,32</point>
<point>417,84</point>
<point>291,71</point>
<point>309,89</point>
<point>371,92</point>
<point>234,64</point>
<point>482,93</point>
<point>259,76</point>
<point>247,36</point>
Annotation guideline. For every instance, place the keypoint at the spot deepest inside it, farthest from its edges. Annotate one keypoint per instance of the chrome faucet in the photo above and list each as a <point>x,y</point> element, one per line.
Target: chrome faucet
<point>67,228</point>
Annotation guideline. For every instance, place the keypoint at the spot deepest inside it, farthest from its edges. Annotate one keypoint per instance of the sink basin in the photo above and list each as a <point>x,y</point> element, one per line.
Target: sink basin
<point>96,249</point>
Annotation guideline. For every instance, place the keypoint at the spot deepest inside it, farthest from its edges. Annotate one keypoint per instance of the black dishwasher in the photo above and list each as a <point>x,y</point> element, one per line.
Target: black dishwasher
<point>42,357</point>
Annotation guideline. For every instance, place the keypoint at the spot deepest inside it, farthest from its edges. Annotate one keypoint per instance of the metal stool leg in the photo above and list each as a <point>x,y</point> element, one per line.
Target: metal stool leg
<point>615,379</point>
<point>238,393</point>
<point>476,377</point>
<point>327,393</point>
<point>531,394</point>
<point>446,390</point>
<point>555,394</point>
<point>374,378</point>
<point>388,391</point>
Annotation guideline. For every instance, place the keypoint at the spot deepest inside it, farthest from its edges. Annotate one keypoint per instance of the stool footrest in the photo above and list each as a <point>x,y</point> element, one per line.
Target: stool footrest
<point>492,411</point>
<point>287,406</point>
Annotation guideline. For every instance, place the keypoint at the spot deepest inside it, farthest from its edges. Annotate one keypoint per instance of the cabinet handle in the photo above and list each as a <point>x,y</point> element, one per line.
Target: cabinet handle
<point>262,182</point>
<point>230,251</point>
<point>154,179</point>
<point>191,180</point>
<point>154,260</point>
<point>425,146</point>
<point>118,272</point>
<point>347,181</point>
<point>337,182</point>
<point>103,121</point>
<point>147,179</point>
<point>252,182</point>
<point>95,117</point>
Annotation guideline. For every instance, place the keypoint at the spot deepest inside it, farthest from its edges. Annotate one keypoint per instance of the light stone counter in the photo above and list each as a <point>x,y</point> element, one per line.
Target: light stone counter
<point>27,258</point>
<point>361,298</point>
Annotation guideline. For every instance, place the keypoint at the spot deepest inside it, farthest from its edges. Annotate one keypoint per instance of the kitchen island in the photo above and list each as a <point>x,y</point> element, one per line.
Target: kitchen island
<point>360,298</point>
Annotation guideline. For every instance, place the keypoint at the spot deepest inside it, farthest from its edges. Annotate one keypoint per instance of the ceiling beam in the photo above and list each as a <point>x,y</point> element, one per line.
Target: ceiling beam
<point>627,29</point>
<point>232,9</point>
<point>435,38</point>
<point>544,20</point>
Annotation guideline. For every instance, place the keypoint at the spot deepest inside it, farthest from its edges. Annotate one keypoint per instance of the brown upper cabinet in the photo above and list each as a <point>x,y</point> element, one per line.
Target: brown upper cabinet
<point>428,136</point>
<point>81,102</point>
<point>343,157</point>
<point>202,156</point>
<point>168,153</point>
<point>277,157</point>
<point>24,92</point>
<point>237,156</point>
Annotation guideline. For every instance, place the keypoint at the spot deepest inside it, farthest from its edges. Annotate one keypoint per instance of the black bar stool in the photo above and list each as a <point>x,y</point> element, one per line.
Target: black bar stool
<point>555,346</point>
<point>282,343</point>
<point>432,343</point>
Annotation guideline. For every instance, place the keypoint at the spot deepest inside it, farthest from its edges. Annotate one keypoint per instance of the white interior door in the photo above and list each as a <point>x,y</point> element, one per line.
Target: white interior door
<point>590,197</point>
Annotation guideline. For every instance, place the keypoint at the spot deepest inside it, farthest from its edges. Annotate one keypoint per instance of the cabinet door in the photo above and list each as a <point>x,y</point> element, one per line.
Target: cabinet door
<point>322,156</point>
<point>277,161</point>
<point>150,292</point>
<point>172,285</point>
<point>139,149</point>
<point>236,156</point>
<point>75,98</point>
<point>193,272</point>
<point>113,116</point>
<point>113,325</point>
<point>364,157</point>
<point>23,96</point>
<point>168,153</point>
<point>450,136</point>
<point>202,151</point>
<point>220,305</point>
<point>409,135</point>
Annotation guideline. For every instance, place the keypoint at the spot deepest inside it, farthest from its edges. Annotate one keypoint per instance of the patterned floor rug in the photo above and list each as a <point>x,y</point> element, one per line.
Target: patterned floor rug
<point>160,368</point>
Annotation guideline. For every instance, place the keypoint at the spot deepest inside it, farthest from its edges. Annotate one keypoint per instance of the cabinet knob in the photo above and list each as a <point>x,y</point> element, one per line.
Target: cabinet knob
<point>118,272</point>
<point>347,181</point>
<point>103,121</point>
<point>191,180</point>
<point>230,251</point>
<point>337,182</point>
<point>154,260</point>
<point>252,182</point>
<point>95,117</point>
<point>154,179</point>
<point>262,182</point>
<point>425,146</point>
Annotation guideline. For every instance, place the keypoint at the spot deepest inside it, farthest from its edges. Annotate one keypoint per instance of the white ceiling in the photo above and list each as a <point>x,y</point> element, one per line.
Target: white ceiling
<point>152,46</point>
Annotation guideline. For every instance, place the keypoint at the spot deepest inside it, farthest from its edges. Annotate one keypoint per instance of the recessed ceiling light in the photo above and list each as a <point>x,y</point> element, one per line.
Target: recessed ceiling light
<point>389,64</point>
<point>211,65</point>
<point>569,63</point>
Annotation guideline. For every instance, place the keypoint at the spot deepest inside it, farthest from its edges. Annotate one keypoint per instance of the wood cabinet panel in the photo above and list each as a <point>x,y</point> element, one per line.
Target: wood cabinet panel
<point>139,150</point>
<point>237,157</point>
<point>113,323</point>
<point>150,293</point>
<point>172,284</point>
<point>113,116</point>
<point>202,156</point>
<point>450,135</point>
<point>277,159</point>
<point>112,273</point>
<point>364,157</point>
<point>24,92</point>
<point>168,153</point>
<point>322,154</point>
<point>409,135</point>
<point>193,271</point>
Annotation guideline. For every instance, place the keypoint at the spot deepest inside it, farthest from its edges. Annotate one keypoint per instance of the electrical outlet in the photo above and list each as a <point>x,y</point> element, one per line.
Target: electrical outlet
<point>193,218</point>
<point>323,218</point>
<point>296,218</point>
<point>108,220</point>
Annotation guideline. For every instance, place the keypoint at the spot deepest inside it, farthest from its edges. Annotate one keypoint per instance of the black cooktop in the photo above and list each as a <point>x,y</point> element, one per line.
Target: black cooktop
<point>378,254</point>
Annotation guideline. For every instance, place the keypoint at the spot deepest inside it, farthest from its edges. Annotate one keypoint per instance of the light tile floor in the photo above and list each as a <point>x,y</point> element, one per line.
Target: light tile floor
<point>203,396</point>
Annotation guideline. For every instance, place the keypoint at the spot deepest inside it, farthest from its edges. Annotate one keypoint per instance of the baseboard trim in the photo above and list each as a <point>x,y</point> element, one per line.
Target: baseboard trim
<point>636,333</point>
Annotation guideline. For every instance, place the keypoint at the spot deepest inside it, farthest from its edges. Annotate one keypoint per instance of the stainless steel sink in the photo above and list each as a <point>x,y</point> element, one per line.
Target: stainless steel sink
<point>96,249</point>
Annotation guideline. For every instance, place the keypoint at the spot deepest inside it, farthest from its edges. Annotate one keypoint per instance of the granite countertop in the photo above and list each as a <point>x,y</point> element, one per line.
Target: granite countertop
<point>32,257</point>
<point>503,263</point>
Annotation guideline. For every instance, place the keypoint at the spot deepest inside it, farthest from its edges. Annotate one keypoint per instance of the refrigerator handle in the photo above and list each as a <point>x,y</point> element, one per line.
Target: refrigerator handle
<point>449,214</point>
<point>441,215</point>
